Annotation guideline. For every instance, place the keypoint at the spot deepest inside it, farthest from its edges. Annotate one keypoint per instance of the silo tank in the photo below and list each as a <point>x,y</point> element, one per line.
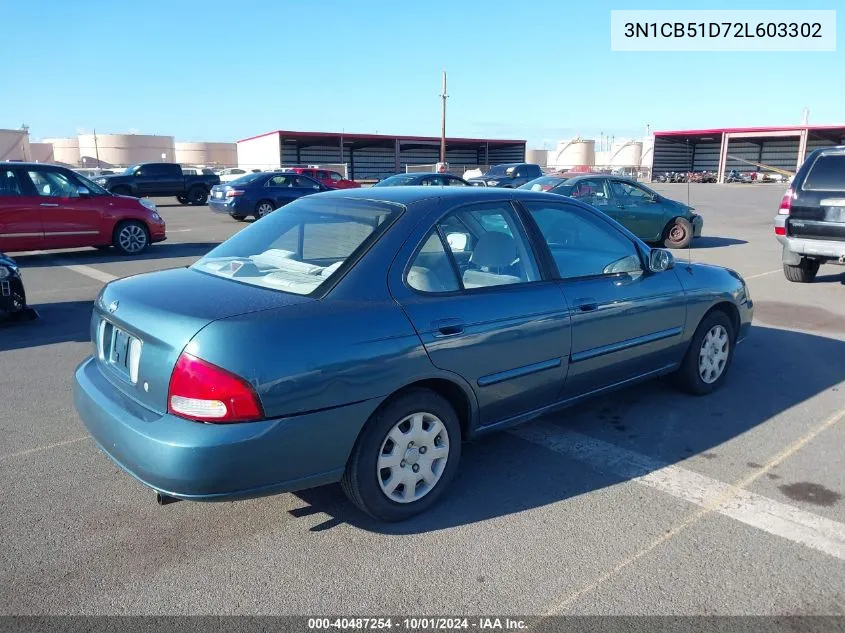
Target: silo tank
<point>65,150</point>
<point>626,154</point>
<point>576,153</point>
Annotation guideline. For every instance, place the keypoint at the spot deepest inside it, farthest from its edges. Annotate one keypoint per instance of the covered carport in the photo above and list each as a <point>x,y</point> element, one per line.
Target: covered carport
<point>372,156</point>
<point>774,149</point>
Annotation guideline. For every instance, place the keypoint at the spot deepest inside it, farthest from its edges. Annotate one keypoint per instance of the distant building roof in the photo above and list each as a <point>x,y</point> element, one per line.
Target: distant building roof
<point>380,137</point>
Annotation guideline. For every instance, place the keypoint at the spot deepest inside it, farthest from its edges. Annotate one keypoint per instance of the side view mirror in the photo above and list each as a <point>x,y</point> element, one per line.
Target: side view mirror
<point>660,260</point>
<point>83,192</point>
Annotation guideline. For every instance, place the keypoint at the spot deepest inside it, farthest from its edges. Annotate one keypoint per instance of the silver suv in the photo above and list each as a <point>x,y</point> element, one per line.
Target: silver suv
<point>811,219</point>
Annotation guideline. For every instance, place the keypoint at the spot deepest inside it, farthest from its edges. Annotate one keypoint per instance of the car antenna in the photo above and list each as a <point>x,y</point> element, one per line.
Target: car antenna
<point>689,174</point>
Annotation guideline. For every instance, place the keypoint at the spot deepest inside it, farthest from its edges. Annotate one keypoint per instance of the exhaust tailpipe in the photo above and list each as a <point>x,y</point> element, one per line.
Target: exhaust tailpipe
<point>163,499</point>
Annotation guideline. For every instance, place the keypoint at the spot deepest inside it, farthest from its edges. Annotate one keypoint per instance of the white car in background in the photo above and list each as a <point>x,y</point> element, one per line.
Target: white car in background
<point>92,173</point>
<point>233,173</point>
<point>197,171</point>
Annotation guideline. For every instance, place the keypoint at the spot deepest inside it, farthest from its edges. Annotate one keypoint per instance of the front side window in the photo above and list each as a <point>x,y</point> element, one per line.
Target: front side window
<point>279,181</point>
<point>397,180</point>
<point>455,182</point>
<point>590,190</point>
<point>9,183</point>
<point>336,177</point>
<point>307,183</point>
<point>630,192</point>
<point>827,173</point>
<point>487,246</point>
<point>583,245</point>
<point>52,184</point>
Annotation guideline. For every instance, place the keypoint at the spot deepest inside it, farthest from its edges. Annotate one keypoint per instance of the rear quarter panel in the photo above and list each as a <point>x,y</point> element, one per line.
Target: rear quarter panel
<point>706,286</point>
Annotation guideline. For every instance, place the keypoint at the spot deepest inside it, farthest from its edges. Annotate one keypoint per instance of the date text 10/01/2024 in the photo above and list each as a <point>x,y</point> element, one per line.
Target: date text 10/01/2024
<point>723,29</point>
<point>416,624</point>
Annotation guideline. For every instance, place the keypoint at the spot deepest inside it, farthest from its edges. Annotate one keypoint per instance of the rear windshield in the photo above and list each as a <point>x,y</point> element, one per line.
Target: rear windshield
<point>302,246</point>
<point>827,173</point>
<point>245,180</point>
<point>397,180</point>
<point>544,183</point>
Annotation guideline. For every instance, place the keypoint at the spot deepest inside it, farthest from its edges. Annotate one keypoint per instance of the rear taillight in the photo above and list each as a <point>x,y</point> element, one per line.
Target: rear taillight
<point>786,202</point>
<point>780,230</point>
<point>206,393</point>
<point>232,193</point>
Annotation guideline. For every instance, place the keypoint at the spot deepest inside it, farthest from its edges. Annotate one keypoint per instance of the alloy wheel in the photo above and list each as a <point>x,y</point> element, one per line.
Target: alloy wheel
<point>132,238</point>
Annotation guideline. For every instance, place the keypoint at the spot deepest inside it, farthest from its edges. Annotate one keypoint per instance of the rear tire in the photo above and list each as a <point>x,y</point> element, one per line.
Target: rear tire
<point>197,196</point>
<point>182,199</point>
<point>803,273</point>
<point>131,237</point>
<point>678,233</point>
<point>709,356</point>
<point>265,207</point>
<point>425,454</point>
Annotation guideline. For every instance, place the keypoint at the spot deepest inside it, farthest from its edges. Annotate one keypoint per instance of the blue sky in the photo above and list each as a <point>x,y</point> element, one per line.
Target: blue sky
<point>226,70</point>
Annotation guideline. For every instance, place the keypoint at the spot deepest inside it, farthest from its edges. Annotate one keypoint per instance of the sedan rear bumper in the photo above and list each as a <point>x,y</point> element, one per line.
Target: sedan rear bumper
<point>209,462</point>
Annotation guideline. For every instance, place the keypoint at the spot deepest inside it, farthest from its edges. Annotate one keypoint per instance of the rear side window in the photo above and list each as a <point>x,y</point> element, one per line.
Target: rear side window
<point>827,173</point>
<point>9,183</point>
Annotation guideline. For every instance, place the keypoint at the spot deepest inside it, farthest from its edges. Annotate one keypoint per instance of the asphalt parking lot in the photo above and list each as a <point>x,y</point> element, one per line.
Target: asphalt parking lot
<point>647,502</point>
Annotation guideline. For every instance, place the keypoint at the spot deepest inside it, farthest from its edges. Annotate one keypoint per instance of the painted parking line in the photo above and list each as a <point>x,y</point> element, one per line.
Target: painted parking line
<point>771,272</point>
<point>768,515</point>
<point>88,271</point>
<point>47,447</point>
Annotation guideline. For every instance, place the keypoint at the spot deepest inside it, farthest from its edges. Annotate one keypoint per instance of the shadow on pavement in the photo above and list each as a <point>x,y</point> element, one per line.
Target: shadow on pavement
<point>502,474</point>
<point>715,242</point>
<point>94,256</point>
<point>59,322</point>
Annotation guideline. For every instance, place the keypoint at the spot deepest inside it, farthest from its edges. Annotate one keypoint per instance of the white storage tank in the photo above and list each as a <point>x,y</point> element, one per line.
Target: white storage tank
<point>537,156</point>
<point>14,145</point>
<point>43,153</point>
<point>206,154</point>
<point>626,154</point>
<point>126,149</point>
<point>65,150</point>
<point>648,153</point>
<point>577,152</point>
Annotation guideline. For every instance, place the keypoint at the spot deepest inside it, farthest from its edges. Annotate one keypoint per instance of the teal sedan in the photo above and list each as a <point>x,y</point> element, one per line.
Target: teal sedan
<point>648,215</point>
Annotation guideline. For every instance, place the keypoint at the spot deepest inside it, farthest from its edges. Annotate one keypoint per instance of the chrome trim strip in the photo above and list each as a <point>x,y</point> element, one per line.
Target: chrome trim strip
<point>50,233</point>
<point>626,344</point>
<point>39,234</point>
<point>518,372</point>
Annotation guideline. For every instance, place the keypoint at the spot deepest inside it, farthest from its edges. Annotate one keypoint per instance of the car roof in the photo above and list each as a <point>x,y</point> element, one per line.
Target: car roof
<point>450,195</point>
<point>14,163</point>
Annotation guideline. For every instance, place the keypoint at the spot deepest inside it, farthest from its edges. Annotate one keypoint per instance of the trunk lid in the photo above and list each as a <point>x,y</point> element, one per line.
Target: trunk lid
<point>141,324</point>
<point>818,215</point>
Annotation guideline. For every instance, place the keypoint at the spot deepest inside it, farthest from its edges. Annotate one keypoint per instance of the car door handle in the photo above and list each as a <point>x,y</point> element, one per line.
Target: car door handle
<point>586,305</point>
<point>448,327</point>
<point>49,204</point>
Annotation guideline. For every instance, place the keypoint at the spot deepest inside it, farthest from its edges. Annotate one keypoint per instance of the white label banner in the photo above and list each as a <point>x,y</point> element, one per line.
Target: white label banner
<point>709,30</point>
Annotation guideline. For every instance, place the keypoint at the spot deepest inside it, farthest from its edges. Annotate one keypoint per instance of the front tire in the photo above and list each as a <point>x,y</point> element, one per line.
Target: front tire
<point>239,218</point>
<point>678,233</point>
<point>709,356</point>
<point>803,273</point>
<point>405,457</point>
<point>130,238</point>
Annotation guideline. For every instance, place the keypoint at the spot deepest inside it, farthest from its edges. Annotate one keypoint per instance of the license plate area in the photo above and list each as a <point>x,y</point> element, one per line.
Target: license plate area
<point>218,194</point>
<point>119,350</point>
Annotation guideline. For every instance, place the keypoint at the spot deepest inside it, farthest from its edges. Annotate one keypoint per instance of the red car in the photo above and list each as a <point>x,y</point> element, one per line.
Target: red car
<point>47,206</point>
<point>326,177</point>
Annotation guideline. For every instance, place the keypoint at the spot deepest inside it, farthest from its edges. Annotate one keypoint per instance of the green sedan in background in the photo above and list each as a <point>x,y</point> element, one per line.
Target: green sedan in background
<point>648,215</point>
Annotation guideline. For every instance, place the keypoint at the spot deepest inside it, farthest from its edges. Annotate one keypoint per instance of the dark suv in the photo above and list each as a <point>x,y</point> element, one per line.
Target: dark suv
<point>511,175</point>
<point>811,219</point>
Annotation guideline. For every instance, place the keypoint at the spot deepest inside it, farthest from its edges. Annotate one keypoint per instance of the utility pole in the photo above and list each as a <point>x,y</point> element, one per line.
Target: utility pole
<point>443,96</point>
<point>96,148</point>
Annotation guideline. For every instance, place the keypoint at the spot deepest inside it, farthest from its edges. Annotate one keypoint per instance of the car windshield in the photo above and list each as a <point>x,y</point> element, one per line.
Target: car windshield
<point>500,170</point>
<point>398,179</point>
<point>246,179</point>
<point>301,247</point>
<point>95,189</point>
